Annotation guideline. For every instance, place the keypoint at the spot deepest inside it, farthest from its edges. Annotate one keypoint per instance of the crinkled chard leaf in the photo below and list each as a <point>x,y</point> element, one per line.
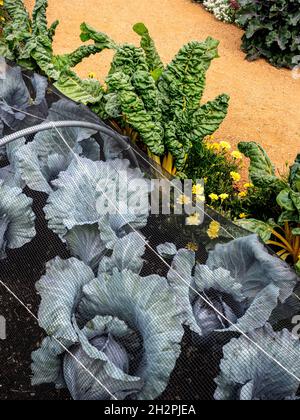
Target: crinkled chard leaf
<point>264,366</point>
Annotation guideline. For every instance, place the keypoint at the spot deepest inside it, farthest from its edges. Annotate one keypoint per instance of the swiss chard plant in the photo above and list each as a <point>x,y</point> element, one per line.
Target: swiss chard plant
<point>271,30</point>
<point>155,105</point>
<point>28,42</point>
<point>284,232</point>
<point>162,104</point>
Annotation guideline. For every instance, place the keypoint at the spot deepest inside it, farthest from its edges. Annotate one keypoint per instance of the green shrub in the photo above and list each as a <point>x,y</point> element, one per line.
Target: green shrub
<point>225,189</point>
<point>272,30</point>
<point>283,229</point>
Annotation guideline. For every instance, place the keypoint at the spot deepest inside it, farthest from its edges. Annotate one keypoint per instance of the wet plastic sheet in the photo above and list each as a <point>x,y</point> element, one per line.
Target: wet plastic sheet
<point>122,306</point>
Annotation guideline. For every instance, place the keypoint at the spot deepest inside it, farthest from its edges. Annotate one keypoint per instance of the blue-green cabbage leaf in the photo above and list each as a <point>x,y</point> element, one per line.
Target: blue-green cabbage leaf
<point>39,162</point>
<point>17,219</point>
<point>263,367</point>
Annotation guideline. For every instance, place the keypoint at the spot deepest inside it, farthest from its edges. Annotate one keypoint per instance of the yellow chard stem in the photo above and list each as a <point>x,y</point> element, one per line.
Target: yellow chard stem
<point>284,256</point>
<point>168,163</point>
<point>165,162</point>
<point>297,249</point>
<point>280,245</point>
<point>280,253</point>
<point>154,157</point>
<point>284,241</point>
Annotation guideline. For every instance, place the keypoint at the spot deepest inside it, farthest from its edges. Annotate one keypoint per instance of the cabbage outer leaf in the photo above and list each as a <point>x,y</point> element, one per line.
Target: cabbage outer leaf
<point>61,290</point>
<point>248,374</point>
<point>77,191</point>
<point>147,305</point>
<point>250,263</point>
<point>16,207</point>
<point>127,255</point>
<point>40,161</point>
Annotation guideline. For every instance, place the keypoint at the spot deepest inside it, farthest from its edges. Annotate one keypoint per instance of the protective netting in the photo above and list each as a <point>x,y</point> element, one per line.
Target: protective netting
<point>117,304</point>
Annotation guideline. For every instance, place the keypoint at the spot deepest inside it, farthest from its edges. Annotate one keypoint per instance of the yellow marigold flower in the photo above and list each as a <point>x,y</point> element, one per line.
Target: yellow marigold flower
<point>198,189</point>
<point>1,2</point>
<point>225,145</point>
<point>214,197</point>
<point>243,194</point>
<point>223,196</point>
<point>237,155</point>
<point>216,147</point>
<point>193,220</point>
<point>184,200</point>
<point>235,176</point>
<point>243,216</point>
<point>248,185</point>
<point>214,230</point>
<point>192,247</point>
<point>92,75</point>
<point>208,145</point>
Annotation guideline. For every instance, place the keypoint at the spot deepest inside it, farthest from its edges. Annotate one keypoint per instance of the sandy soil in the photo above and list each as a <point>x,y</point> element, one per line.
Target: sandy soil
<point>265,101</point>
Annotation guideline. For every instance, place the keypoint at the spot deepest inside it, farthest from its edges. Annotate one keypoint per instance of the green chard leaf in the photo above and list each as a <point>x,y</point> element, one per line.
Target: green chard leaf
<point>264,230</point>
<point>39,18</point>
<point>103,41</point>
<point>262,171</point>
<point>83,91</point>
<point>209,117</point>
<point>295,175</point>
<point>153,59</point>
<point>135,113</point>
<point>183,82</point>
<point>129,59</point>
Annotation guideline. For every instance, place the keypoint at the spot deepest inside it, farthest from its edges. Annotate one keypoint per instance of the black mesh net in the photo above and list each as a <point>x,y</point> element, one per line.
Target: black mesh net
<point>100,302</point>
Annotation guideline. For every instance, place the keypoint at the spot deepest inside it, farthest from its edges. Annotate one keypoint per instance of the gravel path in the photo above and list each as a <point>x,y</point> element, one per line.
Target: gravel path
<point>265,101</point>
